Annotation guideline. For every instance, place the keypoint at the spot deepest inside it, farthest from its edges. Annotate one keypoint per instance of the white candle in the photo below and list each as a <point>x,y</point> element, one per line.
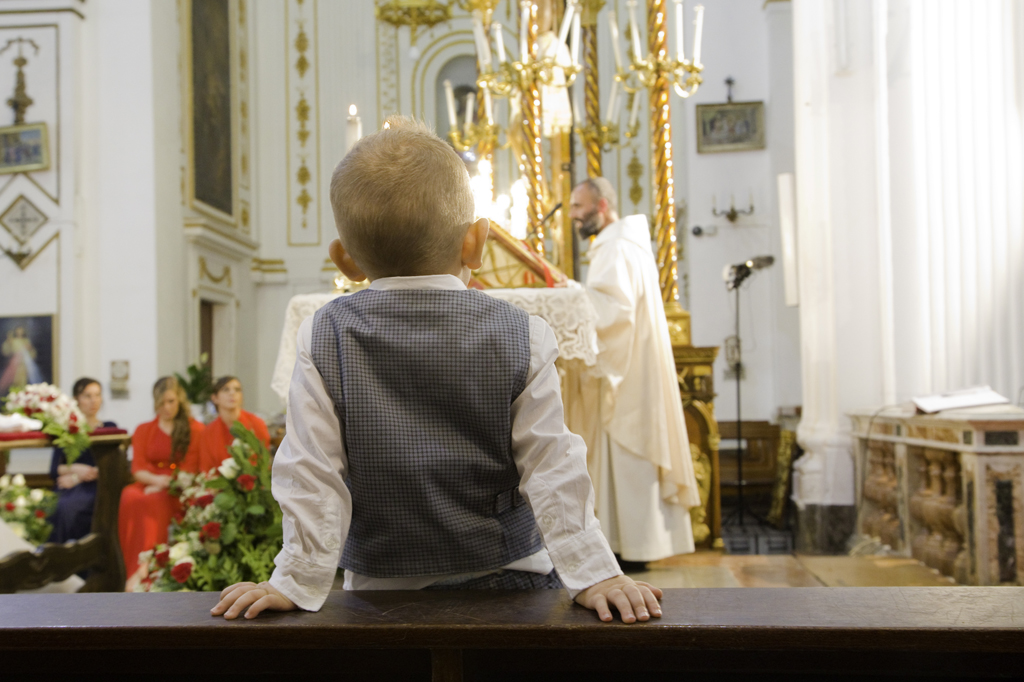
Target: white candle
<point>483,48</point>
<point>499,42</point>
<point>612,98</point>
<point>354,128</point>
<point>449,95</point>
<point>679,31</point>
<point>634,114</point>
<point>698,29</point>
<point>470,108</point>
<point>574,43</point>
<point>488,106</point>
<point>634,30</point>
<point>577,109</point>
<point>524,31</point>
<point>563,32</point>
<point>614,28</point>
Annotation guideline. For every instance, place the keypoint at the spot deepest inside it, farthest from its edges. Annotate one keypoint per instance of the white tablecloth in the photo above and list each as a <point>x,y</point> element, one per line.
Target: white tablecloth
<point>568,310</point>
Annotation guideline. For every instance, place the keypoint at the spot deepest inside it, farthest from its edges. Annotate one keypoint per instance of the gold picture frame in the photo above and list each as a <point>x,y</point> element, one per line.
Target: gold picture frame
<point>24,148</point>
<point>730,127</point>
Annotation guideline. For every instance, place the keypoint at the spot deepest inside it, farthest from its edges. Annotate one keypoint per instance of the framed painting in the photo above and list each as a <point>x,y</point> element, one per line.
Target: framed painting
<point>730,127</point>
<point>24,148</point>
<point>211,105</point>
<point>27,351</point>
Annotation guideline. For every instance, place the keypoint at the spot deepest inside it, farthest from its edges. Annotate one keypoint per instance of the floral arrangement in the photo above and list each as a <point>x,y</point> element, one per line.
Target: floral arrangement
<point>25,510</point>
<point>229,528</point>
<point>59,413</point>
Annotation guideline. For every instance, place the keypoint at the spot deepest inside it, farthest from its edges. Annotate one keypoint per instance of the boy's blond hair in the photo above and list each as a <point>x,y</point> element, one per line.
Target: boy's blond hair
<point>402,201</point>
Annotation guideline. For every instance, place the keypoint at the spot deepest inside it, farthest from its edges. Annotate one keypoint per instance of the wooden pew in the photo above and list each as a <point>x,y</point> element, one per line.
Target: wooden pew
<point>100,551</point>
<point>541,635</point>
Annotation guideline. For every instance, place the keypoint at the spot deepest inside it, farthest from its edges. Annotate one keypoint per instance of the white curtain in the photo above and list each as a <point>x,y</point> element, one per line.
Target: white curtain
<point>956,141</point>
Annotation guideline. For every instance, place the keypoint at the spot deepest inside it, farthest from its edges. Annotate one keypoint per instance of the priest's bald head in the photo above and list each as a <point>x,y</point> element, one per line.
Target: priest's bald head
<point>403,207</point>
<point>593,206</point>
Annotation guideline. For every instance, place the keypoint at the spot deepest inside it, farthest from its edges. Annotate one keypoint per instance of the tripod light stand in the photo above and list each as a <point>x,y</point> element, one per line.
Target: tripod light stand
<point>734,276</point>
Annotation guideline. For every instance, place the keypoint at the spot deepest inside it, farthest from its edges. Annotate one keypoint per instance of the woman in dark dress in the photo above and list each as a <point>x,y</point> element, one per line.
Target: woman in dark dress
<point>76,483</point>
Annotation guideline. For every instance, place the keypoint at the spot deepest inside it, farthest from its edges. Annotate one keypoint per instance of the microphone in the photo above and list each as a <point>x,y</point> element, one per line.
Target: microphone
<point>735,274</point>
<point>552,212</point>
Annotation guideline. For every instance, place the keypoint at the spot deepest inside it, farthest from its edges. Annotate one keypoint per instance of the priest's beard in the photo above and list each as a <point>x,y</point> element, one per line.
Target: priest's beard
<point>590,224</point>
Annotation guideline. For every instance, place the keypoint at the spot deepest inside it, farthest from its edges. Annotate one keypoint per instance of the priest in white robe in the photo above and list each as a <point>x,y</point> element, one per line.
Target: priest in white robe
<point>640,458</point>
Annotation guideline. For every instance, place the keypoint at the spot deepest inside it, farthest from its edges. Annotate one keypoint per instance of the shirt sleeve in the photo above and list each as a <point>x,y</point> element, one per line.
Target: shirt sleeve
<point>307,482</point>
<point>552,464</point>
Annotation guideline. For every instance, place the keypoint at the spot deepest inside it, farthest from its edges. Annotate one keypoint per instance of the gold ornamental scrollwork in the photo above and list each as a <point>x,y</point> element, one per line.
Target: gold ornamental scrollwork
<point>303,141</point>
<point>204,272</point>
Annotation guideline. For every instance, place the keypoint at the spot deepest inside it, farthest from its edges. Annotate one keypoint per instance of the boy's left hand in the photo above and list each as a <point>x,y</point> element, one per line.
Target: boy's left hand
<point>241,596</point>
<point>633,599</point>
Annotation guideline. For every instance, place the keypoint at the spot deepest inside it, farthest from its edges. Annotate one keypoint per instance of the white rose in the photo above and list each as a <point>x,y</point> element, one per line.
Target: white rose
<point>5,481</point>
<point>36,495</point>
<point>185,479</point>
<point>17,528</point>
<point>228,469</point>
<point>179,550</point>
<point>18,479</point>
<point>144,557</point>
<point>21,501</point>
<point>235,443</point>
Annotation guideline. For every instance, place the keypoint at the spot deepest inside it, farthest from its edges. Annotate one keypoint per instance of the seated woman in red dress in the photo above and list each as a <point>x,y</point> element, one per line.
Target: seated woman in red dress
<point>227,396</point>
<point>160,447</point>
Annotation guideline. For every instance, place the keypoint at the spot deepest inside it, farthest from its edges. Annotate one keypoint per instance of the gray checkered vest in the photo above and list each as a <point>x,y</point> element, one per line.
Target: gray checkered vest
<point>423,382</point>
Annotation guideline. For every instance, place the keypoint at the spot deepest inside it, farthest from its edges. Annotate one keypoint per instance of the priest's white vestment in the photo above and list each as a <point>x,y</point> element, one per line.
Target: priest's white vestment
<point>641,464</point>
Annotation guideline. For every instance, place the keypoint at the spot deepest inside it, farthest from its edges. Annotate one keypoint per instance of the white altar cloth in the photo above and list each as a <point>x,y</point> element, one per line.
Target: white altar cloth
<point>568,310</point>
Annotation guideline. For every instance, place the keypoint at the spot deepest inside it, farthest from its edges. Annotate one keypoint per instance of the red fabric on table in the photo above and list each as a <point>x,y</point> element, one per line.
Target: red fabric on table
<point>217,438</point>
<point>24,435</point>
<point>107,431</point>
<point>143,518</point>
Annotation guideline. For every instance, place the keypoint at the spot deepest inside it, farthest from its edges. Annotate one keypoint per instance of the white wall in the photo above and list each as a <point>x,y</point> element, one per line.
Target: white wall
<point>750,41</point>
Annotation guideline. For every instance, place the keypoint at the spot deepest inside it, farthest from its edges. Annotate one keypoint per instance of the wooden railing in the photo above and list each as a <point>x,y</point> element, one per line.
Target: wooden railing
<point>100,551</point>
<point>539,635</point>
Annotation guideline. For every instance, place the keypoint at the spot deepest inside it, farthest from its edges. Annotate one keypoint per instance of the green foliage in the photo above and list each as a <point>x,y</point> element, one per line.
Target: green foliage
<point>231,527</point>
<point>199,384</point>
<point>26,510</point>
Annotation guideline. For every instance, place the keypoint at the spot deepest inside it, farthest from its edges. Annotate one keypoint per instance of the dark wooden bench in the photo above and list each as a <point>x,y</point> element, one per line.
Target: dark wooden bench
<point>728,633</point>
<point>100,551</point>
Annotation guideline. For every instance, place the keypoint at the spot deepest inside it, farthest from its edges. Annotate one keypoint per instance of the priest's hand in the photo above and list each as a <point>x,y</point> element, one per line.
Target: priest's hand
<point>633,599</point>
<point>238,597</point>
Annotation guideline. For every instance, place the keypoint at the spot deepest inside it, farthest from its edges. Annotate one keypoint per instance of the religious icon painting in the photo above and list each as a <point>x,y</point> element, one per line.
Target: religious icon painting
<point>24,148</point>
<point>27,351</point>
<point>730,127</point>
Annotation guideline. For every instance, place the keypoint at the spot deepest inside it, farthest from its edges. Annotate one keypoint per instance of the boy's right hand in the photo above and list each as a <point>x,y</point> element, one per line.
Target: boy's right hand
<point>236,598</point>
<point>633,599</point>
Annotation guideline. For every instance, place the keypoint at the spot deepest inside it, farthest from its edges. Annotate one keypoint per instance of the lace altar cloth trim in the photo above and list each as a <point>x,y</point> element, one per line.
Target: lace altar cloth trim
<point>568,310</point>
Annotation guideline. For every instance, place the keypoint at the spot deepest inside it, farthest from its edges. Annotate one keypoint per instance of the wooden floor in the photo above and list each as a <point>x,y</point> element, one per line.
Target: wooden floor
<point>715,569</point>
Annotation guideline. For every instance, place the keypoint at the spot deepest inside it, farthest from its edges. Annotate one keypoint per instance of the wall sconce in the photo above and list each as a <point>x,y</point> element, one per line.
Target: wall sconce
<point>733,213</point>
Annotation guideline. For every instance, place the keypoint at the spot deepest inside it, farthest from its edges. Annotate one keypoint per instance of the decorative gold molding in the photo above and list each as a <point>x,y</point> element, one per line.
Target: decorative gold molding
<point>204,271</point>
<point>387,71</point>
<point>29,258</point>
<point>269,265</point>
<point>303,101</point>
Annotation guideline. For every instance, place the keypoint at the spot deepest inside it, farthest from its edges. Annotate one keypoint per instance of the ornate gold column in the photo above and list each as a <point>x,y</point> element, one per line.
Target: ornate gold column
<point>531,164</point>
<point>591,89</point>
<point>662,171</point>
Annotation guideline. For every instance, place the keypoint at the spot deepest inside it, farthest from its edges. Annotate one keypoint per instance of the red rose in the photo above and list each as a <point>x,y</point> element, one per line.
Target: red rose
<point>204,501</point>
<point>210,531</point>
<point>162,557</point>
<point>182,571</point>
<point>72,429</point>
<point>179,516</point>
<point>253,459</point>
<point>40,514</point>
<point>247,481</point>
<point>9,506</point>
<point>73,418</point>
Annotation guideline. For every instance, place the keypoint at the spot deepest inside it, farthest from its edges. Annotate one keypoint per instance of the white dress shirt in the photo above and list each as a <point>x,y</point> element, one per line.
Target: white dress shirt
<point>310,467</point>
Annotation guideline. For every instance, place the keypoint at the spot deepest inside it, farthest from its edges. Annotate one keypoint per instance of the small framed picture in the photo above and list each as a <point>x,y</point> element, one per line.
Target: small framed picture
<point>24,148</point>
<point>731,127</point>
<point>27,351</point>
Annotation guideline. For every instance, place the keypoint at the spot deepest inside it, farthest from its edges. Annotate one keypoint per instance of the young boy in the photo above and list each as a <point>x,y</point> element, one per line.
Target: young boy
<point>426,447</point>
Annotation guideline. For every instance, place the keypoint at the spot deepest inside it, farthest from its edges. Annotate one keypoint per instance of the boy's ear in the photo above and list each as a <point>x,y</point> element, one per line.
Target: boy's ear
<point>344,261</point>
<point>473,244</point>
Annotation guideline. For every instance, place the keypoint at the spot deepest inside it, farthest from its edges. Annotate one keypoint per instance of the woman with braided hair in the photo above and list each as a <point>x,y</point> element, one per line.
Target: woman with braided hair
<point>159,448</point>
